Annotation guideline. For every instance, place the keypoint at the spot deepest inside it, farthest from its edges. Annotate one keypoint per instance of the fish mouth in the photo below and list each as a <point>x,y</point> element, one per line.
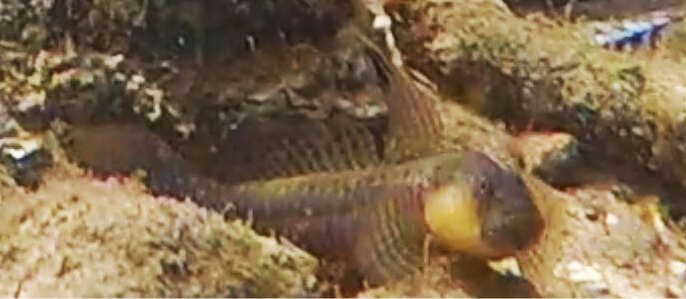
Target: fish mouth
<point>511,225</point>
<point>513,236</point>
<point>516,233</point>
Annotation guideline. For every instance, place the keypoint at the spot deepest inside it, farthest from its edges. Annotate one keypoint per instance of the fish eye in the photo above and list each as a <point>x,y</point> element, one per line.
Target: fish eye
<point>483,185</point>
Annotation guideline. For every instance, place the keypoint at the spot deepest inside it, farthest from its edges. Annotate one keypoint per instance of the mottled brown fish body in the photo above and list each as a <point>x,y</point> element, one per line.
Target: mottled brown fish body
<point>372,219</point>
<point>376,219</point>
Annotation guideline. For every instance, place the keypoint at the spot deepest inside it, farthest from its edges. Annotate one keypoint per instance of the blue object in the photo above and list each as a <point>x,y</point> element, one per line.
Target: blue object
<point>634,34</point>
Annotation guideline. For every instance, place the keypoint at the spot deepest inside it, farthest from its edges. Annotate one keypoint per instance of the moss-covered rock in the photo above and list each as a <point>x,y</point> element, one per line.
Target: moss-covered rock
<point>79,237</point>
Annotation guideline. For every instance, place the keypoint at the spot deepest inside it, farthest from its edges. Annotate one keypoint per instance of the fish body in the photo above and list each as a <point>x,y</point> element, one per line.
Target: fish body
<point>375,219</point>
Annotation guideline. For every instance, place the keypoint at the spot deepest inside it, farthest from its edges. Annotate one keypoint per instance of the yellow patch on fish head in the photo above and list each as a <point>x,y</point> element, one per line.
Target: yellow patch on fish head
<point>452,216</point>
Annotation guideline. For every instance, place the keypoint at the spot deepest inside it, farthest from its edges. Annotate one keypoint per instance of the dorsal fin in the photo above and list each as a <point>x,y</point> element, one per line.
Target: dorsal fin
<point>414,124</point>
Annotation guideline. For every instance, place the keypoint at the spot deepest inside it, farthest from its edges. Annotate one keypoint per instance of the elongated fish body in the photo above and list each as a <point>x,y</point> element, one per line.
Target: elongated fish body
<point>375,219</point>
<point>372,219</point>
<point>378,219</point>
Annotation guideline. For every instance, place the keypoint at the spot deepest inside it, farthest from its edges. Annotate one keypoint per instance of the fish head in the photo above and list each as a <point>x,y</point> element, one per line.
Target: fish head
<point>481,208</point>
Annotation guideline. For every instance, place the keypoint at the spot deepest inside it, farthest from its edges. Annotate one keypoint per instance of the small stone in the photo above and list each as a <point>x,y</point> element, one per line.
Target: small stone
<point>654,212</point>
<point>31,100</point>
<point>118,76</point>
<point>507,265</point>
<point>135,82</point>
<point>311,282</point>
<point>382,22</point>
<point>20,147</point>
<point>677,268</point>
<point>112,62</point>
<point>596,288</point>
<point>580,273</point>
<point>611,219</point>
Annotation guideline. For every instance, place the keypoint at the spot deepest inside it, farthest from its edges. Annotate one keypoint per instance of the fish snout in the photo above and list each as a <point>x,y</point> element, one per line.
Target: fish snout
<point>511,222</point>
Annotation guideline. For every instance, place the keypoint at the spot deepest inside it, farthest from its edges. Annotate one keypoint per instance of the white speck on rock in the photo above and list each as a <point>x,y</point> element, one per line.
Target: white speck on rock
<point>113,61</point>
<point>611,219</point>
<point>20,147</point>
<point>135,82</point>
<point>578,272</point>
<point>119,77</point>
<point>677,267</point>
<point>507,265</point>
<point>31,100</point>
<point>382,22</point>
<point>595,287</point>
<point>657,219</point>
<point>185,129</point>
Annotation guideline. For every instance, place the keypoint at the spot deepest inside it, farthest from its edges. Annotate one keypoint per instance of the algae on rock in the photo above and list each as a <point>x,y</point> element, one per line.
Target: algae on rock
<point>109,238</point>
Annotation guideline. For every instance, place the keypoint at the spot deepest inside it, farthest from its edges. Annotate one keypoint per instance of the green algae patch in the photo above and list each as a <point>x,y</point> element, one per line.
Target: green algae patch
<point>78,236</point>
